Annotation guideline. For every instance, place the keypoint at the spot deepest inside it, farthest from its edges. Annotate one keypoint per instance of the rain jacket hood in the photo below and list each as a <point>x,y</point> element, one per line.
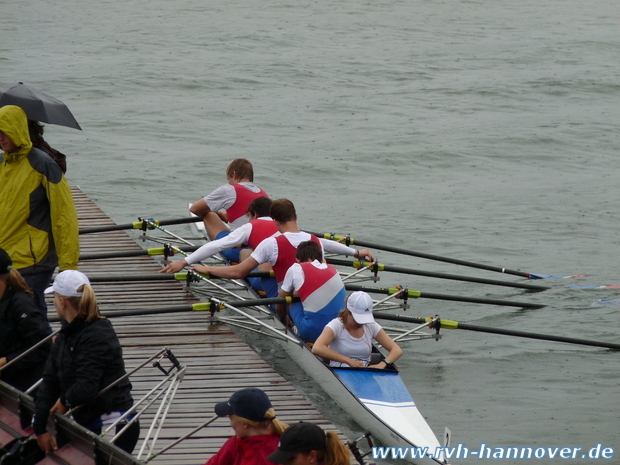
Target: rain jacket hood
<point>14,123</point>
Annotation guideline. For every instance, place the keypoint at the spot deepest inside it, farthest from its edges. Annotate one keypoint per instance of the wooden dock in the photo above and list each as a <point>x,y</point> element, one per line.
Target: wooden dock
<point>218,361</point>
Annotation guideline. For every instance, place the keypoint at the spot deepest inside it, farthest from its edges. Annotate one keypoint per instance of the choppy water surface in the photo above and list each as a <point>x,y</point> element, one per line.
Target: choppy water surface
<point>485,131</point>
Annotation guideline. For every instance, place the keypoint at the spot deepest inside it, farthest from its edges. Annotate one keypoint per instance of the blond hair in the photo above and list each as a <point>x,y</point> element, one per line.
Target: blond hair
<point>277,426</point>
<point>86,305</point>
<point>337,453</point>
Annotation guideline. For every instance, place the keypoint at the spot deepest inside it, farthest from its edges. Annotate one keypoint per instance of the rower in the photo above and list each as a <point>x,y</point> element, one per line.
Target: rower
<point>229,203</point>
<point>346,340</point>
<point>320,289</point>
<point>260,227</point>
<point>280,250</point>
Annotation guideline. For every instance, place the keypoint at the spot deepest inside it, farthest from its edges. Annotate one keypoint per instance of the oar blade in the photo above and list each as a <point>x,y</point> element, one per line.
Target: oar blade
<point>549,276</point>
<point>594,286</point>
<point>607,302</point>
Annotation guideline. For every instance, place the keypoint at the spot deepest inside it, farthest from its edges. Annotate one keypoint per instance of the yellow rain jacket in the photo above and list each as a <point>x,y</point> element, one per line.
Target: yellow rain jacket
<point>38,221</point>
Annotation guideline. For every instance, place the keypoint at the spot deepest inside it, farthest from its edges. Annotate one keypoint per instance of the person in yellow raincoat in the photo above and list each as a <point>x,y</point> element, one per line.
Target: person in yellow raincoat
<point>38,221</point>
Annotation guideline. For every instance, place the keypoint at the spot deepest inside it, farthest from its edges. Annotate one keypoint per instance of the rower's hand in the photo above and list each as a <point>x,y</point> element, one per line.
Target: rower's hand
<point>201,269</point>
<point>223,214</point>
<point>355,363</point>
<point>46,443</point>
<point>174,267</point>
<point>381,365</point>
<point>364,254</point>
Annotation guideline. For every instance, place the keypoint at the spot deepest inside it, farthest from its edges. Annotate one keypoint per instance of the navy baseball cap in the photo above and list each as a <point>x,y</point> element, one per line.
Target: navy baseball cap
<point>249,403</point>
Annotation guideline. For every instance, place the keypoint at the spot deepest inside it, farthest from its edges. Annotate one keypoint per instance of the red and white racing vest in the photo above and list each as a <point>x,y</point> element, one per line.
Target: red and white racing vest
<point>286,255</point>
<point>319,288</point>
<point>244,197</point>
<point>261,230</point>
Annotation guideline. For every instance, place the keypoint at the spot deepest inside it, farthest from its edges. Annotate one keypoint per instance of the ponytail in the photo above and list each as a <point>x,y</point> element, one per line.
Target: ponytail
<point>87,304</point>
<point>277,426</point>
<point>343,314</point>
<point>17,282</point>
<point>337,453</point>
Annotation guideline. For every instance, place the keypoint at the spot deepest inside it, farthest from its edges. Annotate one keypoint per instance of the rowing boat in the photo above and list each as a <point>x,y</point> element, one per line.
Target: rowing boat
<point>377,399</point>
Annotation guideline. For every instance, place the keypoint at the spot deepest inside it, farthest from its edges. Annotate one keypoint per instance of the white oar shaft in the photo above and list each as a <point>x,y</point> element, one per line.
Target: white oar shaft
<point>414,330</point>
<point>351,275</point>
<point>170,233</point>
<point>391,296</point>
<point>261,323</point>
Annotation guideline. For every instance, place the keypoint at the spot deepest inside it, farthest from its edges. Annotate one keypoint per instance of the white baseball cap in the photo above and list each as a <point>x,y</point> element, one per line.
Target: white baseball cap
<point>68,283</point>
<point>360,305</point>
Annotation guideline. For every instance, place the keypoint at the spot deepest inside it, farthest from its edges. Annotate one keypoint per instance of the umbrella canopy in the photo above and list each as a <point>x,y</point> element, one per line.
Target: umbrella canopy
<point>38,105</point>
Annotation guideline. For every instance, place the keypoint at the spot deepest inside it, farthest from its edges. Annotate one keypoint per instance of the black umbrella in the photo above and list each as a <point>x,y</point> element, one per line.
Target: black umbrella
<point>38,105</point>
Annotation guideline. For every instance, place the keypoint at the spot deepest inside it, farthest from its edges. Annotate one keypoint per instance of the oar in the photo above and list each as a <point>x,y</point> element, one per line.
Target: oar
<point>334,261</point>
<point>414,294</point>
<point>137,253</point>
<point>181,276</point>
<point>198,307</point>
<point>450,324</point>
<point>349,240</point>
<point>380,267</point>
<point>139,225</point>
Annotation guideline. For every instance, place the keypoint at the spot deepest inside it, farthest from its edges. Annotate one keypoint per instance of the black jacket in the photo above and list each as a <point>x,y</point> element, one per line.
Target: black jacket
<point>85,358</point>
<point>22,325</point>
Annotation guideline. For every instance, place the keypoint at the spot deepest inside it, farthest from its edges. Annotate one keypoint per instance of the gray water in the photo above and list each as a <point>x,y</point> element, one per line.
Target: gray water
<point>480,130</point>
